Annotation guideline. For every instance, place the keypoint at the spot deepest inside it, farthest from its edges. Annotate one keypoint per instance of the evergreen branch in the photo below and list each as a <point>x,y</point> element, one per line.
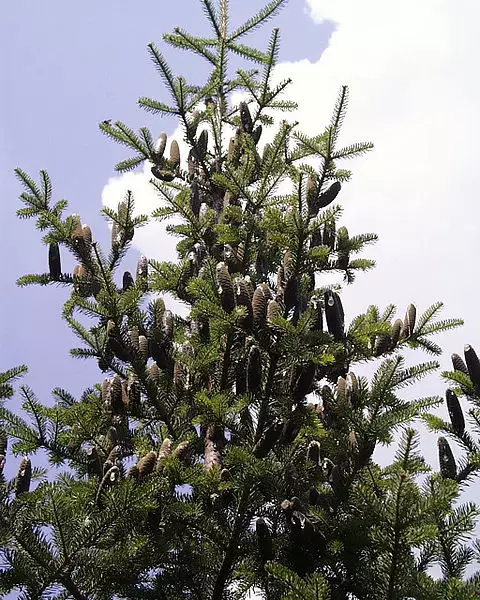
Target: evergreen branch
<point>262,16</point>
<point>164,70</point>
<point>212,16</point>
<point>247,52</point>
<point>8,377</point>
<point>186,41</point>
<point>58,524</point>
<point>156,107</point>
<point>338,116</point>
<point>129,164</point>
<point>353,151</point>
<point>39,200</point>
<point>32,406</point>
<point>272,55</point>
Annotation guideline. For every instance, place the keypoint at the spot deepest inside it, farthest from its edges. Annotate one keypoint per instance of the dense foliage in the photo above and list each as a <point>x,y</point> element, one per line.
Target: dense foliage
<point>230,449</point>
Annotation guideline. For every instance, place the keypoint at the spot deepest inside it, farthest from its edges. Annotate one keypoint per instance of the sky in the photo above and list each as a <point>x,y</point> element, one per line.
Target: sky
<point>414,91</point>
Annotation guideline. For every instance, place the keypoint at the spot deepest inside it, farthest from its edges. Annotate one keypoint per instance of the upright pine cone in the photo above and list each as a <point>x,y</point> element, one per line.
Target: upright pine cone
<point>256,133</point>
<point>225,288</point>
<point>142,273</point>
<point>473,366</point>
<point>314,452</point>
<point>382,344</point>
<point>54,262</point>
<point>214,442</point>
<point>455,412</point>
<point>334,314</point>
<point>242,298</point>
<point>260,300</point>
<point>24,476</point>
<point>409,322</point>
<point>147,463</point>
<point>127,281</point>
<point>352,389</point>
<point>160,146</point>
<point>175,154</point>
<point>116,395</point>
<point>311,192</point>
<point>316,308</point>
<point>329,195</point>
<point>264,540</point>
<point>303,382</point>
<point>459,365</point>
<point>246,118</point>
<point>268,440</point>
<point>254,369</point>
<point>195,199</point>
<point>202,144</point>
<point>396,330</point>
<point>164,453</point>
<point>448,468</point>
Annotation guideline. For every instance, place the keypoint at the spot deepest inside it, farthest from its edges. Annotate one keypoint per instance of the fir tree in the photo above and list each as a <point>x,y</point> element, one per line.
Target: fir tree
<point>247,426</point>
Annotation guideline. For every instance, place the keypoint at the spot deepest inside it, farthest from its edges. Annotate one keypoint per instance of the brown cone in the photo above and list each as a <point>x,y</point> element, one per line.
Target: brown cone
<point>259,305</point>
<point>164,453</point>
<point>242,298</point>
<point>167,324</point>
<point>134,338</point>
<point>142,273</point>
<point>352,389</point>
<point>154,373</point>
<point>274,310</point>
<point>133,472</point>
<point>87,235</point>
<point>214,442</point>
<point>147,463</point>
<point>24,475</point>
<point>106,392</point>
<point>382,345</point>
<point>175,154</point>
<point>341,394</point>
<point>225,288</point>
<point>116,395</point>
<point>182,452</point>
<point>396,330</point>
<point>143,347</point>
<point>160,146</point>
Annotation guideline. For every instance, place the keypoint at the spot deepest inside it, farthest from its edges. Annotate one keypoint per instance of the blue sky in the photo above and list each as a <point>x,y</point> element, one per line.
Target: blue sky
<point>412,72</point>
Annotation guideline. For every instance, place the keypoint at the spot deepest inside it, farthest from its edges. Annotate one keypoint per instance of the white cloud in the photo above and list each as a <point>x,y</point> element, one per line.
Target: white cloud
<point>412,70</point>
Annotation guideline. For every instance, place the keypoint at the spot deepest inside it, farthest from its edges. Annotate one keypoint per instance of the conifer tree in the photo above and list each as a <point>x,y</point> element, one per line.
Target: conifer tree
<point>230,450</point>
